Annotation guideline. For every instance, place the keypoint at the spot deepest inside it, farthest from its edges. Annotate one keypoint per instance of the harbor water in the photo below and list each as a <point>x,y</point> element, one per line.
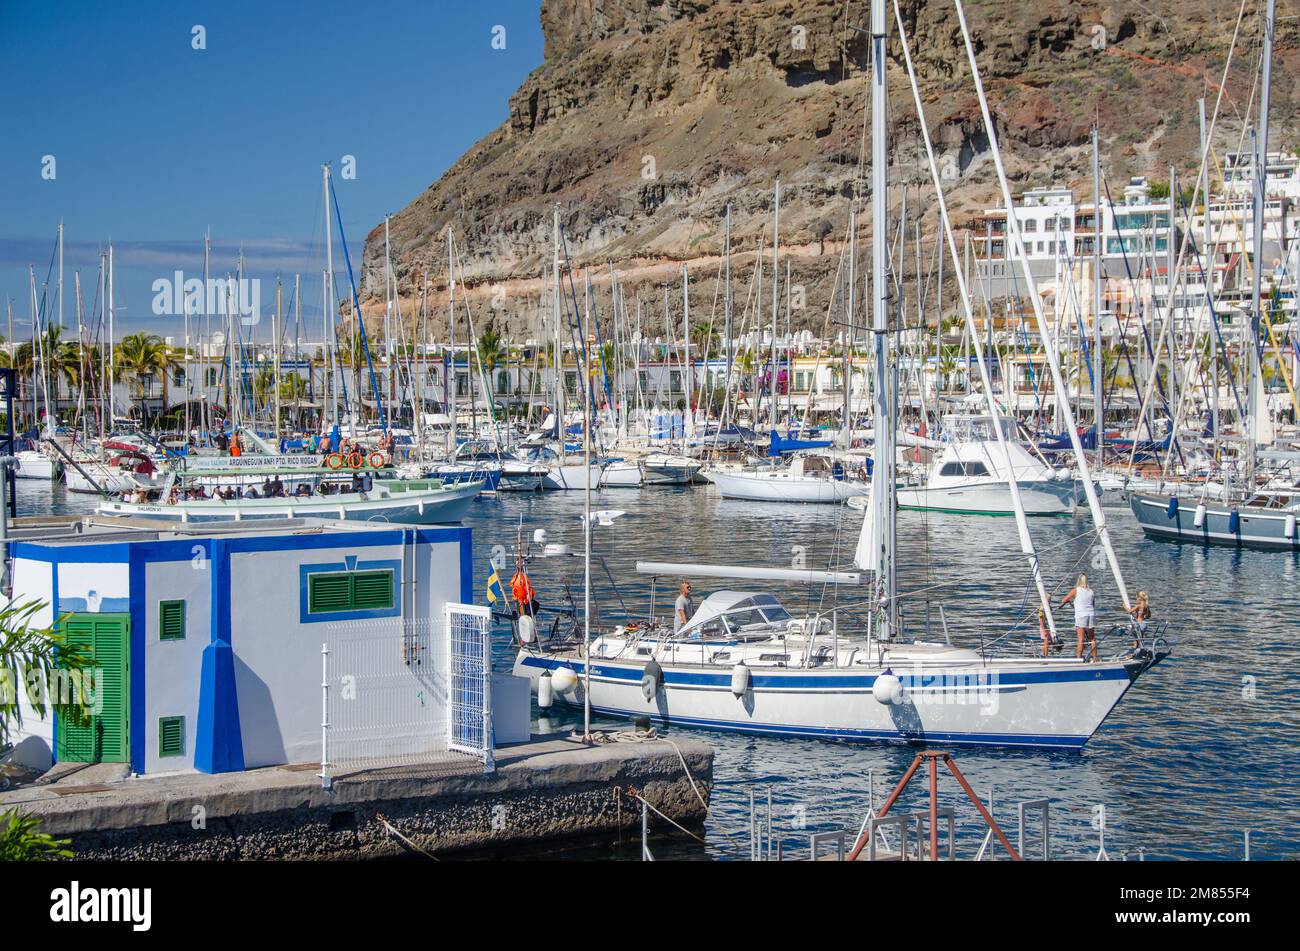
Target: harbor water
<point>1199,751</point>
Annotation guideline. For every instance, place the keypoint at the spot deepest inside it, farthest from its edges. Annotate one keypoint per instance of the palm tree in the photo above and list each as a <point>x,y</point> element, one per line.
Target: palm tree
<point>491,349</point>
<point>140,356</point>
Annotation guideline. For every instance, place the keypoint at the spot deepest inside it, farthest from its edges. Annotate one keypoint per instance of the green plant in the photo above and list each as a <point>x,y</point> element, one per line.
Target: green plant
<point>22,841</point>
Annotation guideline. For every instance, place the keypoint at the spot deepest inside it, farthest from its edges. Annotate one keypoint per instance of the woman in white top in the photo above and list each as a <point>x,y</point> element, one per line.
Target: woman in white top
<point>1085,614</point>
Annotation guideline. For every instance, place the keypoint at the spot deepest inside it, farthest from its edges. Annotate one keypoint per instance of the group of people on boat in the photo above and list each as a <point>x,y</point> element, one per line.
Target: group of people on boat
<point>1084,599</point>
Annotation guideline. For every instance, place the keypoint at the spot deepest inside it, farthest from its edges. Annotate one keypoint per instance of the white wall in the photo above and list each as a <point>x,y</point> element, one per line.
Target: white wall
<point>173,668</point>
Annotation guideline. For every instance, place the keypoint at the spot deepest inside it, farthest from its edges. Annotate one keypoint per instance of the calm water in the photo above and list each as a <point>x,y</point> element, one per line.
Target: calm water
<point>1202,748</point>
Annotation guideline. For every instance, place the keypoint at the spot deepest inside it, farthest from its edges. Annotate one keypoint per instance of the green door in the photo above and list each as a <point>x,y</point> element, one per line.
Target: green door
<point>104,737</point>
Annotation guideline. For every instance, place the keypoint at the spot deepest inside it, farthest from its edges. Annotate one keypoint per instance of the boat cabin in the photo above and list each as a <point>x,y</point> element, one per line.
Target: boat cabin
<point>736,615</point>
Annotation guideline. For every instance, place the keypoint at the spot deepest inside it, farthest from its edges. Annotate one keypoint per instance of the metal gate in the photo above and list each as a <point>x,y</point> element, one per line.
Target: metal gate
<point>469,671</point>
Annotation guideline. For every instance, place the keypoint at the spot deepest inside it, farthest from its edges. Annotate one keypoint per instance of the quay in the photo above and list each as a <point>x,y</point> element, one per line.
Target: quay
<point>549,788</point>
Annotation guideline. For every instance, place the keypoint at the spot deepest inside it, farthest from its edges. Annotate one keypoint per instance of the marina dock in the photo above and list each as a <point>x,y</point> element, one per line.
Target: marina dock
<point>550,788</point>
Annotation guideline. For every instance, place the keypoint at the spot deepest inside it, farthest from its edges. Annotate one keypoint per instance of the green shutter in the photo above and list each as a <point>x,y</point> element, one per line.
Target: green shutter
<point>329,592</point>
<point>372,590</point>
<point>101,737</point>
<point>171,736</point>
<point>332,591</point>
<point>171,620</point>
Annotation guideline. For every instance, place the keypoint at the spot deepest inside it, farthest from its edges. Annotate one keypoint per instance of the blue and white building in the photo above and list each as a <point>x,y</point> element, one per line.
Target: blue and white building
<point>208,639</point>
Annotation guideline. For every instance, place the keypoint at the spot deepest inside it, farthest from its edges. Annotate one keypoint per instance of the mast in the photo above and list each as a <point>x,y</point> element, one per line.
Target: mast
<point>108,408</point>
<point>776,250</point>
<point>688,428</point>
<point>847,301</point>
<point>451,346</point>
<point>1257,275</point>
<point>275,359</point>
<point>1098,410</point>
<point>1207,275</point>
<point>60,273</point>
<point>882,512</point>
<point>331,337</point>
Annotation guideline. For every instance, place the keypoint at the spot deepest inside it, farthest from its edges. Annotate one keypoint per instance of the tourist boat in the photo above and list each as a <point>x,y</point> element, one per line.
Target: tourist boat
<point>970,475</point>
<point>384,500</point>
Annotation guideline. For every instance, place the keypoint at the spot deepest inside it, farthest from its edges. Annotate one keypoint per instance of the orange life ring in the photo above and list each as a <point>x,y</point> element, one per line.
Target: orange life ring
<point>376,460</point>
<point>334,460</point>
<point>356,460</point>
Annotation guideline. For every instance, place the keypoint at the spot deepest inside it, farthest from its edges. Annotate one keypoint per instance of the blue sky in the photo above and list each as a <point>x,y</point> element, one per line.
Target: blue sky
<point>155,142</point>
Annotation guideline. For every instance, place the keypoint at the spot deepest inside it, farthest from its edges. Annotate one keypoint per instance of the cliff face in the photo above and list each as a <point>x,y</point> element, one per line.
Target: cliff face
<point>649,117</point>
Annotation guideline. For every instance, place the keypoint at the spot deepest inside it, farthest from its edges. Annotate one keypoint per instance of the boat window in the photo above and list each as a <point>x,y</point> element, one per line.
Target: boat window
<point>744,620</point>
<point>976,469</point>
<point>710,628</point>
<point>952,469</point>
<point>719,656</point>
<point>774,657</point>
<point>642,651</point>
<point>775,613</point>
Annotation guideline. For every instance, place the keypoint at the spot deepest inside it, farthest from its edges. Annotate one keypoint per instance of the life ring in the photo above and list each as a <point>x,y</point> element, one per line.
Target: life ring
<point>376,460</point>
<point>334,461</point>
<point>356,460</point>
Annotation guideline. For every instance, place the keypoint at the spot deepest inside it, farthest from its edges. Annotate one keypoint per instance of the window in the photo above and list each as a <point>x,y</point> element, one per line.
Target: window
<point>171,736</point>
<point>952,469</point>
<point>210,376</point>
<point>976,469</point>
<point>171,620</point>
<point>1031,226</point>
<point>178,376</point>
<point>331,591</point>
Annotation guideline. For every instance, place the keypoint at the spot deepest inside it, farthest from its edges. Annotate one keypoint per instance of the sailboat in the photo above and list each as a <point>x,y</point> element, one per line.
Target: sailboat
<point>744,662</point>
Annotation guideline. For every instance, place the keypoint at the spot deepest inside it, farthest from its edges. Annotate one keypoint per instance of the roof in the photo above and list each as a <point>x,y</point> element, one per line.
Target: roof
<point>724,602</point>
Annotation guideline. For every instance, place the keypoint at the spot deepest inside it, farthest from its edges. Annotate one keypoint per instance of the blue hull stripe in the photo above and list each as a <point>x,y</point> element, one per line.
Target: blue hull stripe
<point>1026,740</point>
<point>795,681</point>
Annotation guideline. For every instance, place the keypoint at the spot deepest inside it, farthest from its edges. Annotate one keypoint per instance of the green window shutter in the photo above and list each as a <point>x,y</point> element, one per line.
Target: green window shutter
<point>329,592</point>
<point>171,736</point>
<point>372,590</point>
<point>332,591</point>
<point>171,620</point>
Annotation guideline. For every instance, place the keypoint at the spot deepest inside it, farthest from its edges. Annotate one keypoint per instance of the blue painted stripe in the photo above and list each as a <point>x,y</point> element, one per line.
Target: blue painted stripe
<point>797,678</point>
<point>136,661</point>
<point>1026,740</point>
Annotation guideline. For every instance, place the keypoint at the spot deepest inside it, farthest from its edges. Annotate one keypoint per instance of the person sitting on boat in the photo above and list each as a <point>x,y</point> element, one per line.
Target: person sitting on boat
<point>303,491</point>
<point>1085,615</point>
<point>174,496</point>
<point>325,446</point>
<point>684,608</point>
<point>323,488</point>
<point>277,488</point>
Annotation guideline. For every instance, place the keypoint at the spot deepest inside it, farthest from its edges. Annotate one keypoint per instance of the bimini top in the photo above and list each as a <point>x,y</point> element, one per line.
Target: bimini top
<point>736,614</point>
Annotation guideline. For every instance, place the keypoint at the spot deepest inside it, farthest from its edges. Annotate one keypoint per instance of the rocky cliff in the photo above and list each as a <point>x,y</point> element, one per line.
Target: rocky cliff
<point>649,117</point>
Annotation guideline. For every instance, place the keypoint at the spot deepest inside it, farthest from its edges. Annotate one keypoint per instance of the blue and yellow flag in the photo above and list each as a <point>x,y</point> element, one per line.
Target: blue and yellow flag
<point>495,592</point>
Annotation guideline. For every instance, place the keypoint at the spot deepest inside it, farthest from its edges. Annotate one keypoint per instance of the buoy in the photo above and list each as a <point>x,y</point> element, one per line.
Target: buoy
<point>887,689</point>
<point>545,691</point>
<point>1172,510</point>
<point>1289,529</point>
<point>1234,521</point>
<point>376,460</point>
<point>527,629</point>
<point>356,460</point>
<point>539,536</point>
<point>740,680</point>
<point>1199,521</point>
<point>652,676</point>
<point>333,460</point>
<point>564,679</point>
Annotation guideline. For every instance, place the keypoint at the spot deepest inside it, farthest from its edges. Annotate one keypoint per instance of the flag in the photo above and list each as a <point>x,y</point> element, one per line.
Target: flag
<point>495,592</point>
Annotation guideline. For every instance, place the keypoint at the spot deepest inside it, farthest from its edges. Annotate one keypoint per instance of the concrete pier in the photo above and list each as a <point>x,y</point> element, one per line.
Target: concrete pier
<point>548,788</point>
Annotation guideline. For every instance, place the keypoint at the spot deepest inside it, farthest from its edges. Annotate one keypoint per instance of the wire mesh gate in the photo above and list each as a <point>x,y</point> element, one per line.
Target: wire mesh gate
<point>407,693</point>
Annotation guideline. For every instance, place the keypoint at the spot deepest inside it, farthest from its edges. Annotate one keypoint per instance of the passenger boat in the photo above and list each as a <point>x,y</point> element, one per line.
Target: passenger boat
<point>385,500</point>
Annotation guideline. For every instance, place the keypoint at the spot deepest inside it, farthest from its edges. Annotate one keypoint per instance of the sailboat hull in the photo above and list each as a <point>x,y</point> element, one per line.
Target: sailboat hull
<point>1263,529</point>
<point>994,498</point>
<point>780,487</point>
<point>1056,705</point>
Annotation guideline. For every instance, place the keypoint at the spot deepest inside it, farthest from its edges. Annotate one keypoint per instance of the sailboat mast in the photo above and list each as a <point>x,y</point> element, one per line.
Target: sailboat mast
<point>883,455</point>
<point>331,337</point>
<point>451,346</point>
<point>1257,275</point>
<point>776,250</point>
<point>1098,364</point>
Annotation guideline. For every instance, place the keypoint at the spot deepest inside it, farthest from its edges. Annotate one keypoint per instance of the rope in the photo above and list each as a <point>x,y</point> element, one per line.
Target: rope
<point>393,831</point>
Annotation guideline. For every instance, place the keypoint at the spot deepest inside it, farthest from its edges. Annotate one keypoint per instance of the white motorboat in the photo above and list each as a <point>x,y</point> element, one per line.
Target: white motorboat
<point>807,478</point>
<point>970,475</point>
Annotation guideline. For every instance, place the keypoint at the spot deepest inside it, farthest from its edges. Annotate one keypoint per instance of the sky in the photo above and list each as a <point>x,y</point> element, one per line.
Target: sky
<point>113,120</point>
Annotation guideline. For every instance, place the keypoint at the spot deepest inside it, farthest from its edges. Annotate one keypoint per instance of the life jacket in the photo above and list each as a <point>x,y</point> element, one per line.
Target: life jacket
<point>521,589</point>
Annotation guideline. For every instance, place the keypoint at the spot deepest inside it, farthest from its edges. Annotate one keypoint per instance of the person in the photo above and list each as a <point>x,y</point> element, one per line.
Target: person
<point>1085,615</point>
<point>685,607</point>
<point>1045,632</point>
<point>1141,612</point>
<point>303,491</point>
